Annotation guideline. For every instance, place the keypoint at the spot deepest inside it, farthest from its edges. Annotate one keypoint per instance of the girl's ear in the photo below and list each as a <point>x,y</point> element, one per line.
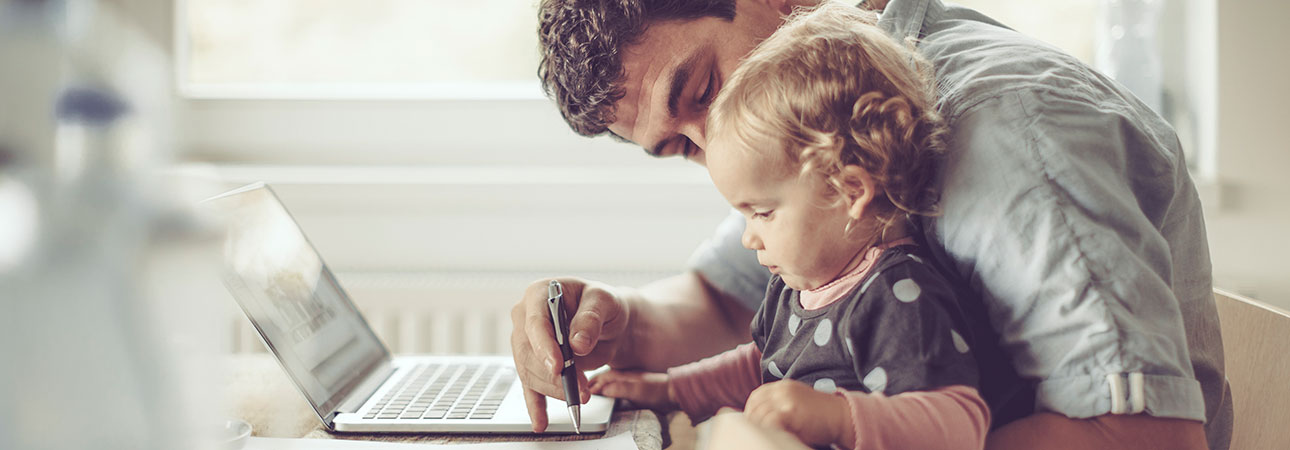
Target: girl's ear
<point>858,190</point>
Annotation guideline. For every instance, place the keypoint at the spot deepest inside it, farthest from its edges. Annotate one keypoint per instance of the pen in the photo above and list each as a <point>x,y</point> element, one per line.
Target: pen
<point>560,318</point>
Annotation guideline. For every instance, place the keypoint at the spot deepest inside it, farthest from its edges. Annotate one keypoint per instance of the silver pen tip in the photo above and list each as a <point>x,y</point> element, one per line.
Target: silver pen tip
<point>575,412</point>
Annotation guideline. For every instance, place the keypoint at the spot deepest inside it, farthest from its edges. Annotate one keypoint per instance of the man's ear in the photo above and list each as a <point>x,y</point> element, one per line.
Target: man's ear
<point>858,190</point>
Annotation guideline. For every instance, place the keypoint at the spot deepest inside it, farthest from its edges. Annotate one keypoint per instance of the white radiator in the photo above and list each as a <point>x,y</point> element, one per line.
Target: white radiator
<point>439,313</point>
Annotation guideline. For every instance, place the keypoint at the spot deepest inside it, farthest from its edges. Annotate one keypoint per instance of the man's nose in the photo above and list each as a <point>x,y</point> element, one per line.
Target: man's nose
<point>697,131</point>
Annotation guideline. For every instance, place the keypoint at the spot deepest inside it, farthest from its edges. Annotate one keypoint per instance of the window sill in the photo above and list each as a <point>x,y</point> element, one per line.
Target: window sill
<point>1210,189</point>
<point>510,90</point>
<point>448,175</point>
<point>553,219</point>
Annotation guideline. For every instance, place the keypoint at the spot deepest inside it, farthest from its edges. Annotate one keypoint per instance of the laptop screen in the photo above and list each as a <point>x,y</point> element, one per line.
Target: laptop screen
<point>291,297</point>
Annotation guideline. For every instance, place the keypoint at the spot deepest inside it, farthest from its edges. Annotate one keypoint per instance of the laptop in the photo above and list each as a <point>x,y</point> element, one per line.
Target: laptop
<point>334,358</point>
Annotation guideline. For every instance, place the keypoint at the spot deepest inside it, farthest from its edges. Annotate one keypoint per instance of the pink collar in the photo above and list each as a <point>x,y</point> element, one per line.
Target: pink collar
<point>825,295</point>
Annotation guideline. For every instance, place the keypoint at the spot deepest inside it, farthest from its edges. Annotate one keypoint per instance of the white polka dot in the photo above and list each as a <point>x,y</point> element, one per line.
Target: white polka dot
<point>869,281</point>
<point>851,347</point>
<point>959,343</point>
<point>793,323</point>
<point>826,385</point>
<point>823,331</point>
<point>876,380</point>
<point>774,370</point>
<point>917,259</point>
<point>906,290</point>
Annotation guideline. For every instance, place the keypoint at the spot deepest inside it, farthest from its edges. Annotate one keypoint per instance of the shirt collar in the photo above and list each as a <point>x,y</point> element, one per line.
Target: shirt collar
<point>905,19</point>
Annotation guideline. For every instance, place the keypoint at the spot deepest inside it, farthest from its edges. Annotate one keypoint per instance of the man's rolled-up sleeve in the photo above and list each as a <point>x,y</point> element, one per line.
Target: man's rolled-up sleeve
<point>1051,210</point>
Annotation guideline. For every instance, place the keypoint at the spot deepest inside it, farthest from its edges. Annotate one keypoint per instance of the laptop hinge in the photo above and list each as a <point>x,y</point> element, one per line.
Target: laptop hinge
<point>364,390</point>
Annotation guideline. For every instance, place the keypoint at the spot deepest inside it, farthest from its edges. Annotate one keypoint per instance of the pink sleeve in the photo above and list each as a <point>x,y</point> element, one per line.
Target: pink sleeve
<point>953,417</point>
<point>726,379</point>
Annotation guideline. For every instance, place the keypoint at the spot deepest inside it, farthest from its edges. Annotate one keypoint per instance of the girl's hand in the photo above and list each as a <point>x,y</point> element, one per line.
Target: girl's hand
<point>646,389</point>
<point>817,418</point>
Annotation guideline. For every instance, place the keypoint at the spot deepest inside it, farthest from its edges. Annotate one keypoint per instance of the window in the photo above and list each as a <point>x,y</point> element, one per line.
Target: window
<point>1162,50</point>
<point>372,83</point>
<point>1067,24</point>
<point>358,49</point>
<point>436,50</point>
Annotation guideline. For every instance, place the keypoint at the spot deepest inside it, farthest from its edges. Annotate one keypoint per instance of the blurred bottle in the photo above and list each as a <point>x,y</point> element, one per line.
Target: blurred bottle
<point>1127,49</point>
<point>104,322</point>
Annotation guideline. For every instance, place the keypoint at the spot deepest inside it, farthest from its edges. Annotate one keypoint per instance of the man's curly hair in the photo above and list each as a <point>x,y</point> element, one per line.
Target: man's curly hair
<point>582,43</point>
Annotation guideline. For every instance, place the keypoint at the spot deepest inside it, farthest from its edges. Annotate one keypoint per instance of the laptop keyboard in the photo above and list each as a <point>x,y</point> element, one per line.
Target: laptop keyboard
<point>446,391</point>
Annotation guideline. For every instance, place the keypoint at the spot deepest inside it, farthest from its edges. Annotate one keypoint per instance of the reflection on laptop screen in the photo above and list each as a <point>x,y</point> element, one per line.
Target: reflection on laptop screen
<point>292,298</point>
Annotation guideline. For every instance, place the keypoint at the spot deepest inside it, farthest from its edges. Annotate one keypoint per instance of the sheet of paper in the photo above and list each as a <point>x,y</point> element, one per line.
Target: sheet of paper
<point>622,441</point>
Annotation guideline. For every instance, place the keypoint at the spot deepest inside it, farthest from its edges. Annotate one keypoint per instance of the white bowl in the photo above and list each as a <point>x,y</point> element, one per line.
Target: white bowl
<point>235,434</point>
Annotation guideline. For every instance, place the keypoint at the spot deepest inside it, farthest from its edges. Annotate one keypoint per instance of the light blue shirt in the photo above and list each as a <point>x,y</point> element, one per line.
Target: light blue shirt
<point>1067,206</point>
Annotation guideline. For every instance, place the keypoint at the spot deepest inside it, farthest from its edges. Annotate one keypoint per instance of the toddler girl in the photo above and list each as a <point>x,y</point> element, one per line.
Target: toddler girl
<point>826,138</point>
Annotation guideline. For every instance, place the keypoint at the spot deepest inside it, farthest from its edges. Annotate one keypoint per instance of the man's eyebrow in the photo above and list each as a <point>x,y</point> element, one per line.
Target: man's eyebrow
<point>679,78</point>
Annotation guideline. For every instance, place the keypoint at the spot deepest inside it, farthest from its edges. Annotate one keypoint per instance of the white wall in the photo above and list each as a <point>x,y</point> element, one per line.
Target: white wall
<point>1249,228</point>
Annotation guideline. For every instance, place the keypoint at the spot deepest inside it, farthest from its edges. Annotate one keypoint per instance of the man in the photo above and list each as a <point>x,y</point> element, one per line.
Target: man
<point>1067,209</point>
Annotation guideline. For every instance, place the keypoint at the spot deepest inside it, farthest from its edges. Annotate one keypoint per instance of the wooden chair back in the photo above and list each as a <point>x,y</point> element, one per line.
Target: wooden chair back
<point>1256,350</point>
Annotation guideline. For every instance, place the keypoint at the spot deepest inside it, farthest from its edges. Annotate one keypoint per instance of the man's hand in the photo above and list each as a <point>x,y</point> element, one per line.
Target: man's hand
<point>599,320</point>
<point>817,418</point>
<point>646,389</point>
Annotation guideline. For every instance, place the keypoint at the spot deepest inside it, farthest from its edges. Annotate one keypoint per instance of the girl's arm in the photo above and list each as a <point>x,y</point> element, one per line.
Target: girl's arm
<point>701,388</point>
<point>953,417</point>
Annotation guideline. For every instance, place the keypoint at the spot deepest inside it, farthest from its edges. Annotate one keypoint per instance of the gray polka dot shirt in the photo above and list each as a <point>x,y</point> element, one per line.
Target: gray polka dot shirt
<point>900,330</point>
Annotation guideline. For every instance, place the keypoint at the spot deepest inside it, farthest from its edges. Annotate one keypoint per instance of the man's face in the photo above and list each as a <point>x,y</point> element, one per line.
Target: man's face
<point>676,70</point>
<point>794,223</point>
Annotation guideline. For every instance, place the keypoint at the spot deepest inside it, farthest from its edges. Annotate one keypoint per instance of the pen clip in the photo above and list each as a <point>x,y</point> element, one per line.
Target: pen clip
<point>555,295</point>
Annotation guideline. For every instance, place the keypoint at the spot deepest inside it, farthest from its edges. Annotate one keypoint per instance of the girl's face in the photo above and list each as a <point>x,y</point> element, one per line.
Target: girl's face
<point>795,223</point>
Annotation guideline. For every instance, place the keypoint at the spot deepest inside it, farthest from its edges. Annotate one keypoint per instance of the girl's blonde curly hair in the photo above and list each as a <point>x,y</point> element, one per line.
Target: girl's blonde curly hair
<point>831,89</point>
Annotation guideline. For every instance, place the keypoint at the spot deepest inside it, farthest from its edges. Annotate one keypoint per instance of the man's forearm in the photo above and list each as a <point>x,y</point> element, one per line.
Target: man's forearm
<point>1109,432</point>
<point>679,320</point>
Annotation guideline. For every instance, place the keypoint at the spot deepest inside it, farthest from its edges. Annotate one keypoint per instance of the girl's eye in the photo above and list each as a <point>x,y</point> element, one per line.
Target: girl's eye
<point>761,215</point>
